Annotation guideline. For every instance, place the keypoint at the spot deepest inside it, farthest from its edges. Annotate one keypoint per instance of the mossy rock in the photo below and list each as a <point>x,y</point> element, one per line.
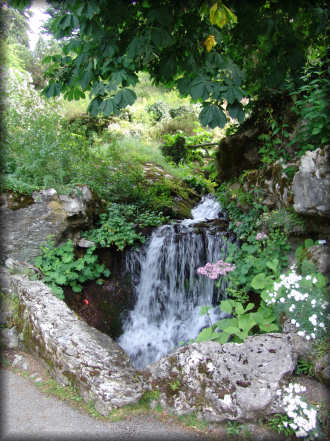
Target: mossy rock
<point>181,198</point>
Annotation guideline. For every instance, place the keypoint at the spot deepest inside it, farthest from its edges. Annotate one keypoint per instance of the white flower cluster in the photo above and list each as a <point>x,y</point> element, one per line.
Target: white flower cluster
<point>302,414</point>
<point>289,294</point>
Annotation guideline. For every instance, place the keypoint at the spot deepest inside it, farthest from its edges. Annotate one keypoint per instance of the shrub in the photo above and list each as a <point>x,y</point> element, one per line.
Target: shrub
<point>59,266</point>
<point>119,226</point>
<point>159,110</point>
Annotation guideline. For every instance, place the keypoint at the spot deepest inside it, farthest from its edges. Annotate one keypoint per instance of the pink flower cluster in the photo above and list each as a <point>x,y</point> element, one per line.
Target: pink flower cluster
<point>261,236</point>
<point>214,270</point>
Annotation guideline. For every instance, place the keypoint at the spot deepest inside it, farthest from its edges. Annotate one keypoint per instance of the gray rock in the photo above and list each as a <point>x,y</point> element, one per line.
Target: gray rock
<point>9,338</point>
<point>48,214</point>
<point>84,243</point>
<point>231,381</point>
<point>20,362</point>
<point>322,368</point>
<point>320,256</point>
<point>75,352</point>
<point>315,392</point>
<point>312,182</point>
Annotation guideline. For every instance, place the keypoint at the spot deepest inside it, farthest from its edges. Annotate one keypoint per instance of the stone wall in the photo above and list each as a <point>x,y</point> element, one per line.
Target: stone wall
<point>24,228</point>
<point>73,351</point>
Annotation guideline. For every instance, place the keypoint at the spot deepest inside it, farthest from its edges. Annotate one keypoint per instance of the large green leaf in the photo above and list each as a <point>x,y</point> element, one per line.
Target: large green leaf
<point>53,89</point>
<point>226,306</point>
<point>212,116</point>
<point>124,98</point>
<point>260,281</point>
<point>236,111</point>
<point>200,88</point>
<point>86,79</point>
<point>107,107</point>
<point>161,38</point>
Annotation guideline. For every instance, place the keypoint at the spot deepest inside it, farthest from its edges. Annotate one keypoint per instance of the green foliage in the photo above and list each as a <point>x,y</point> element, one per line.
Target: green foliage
<point>302,256</point>
<point>233,428</point>
<point>243,323</point>
<point>178,147</point>
<point>200,184</point>
<point>285,220</point>
<point>312,108</point>
<point>276,424</point>
<point>119,225</point>
<point>310,130</point>
<point>60,267</point>
<point>304,367</point>
<point>149,396</point>
<point>274,145</point>
<point>159,110</point>
<point>94,61</point>
<point>192,420</point>
<point>42,150</point>
<point>273,41</point>
<point>258,263</point>
<point>175,385</point>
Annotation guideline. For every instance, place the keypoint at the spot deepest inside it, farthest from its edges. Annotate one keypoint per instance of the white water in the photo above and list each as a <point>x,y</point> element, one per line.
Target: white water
<point>168,289</point>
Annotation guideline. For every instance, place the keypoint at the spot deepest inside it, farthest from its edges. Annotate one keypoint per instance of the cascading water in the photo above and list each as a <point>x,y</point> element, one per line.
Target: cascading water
<point>169,292</point>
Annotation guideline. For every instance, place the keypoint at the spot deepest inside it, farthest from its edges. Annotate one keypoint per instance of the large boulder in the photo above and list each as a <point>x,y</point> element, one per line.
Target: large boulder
<point>311,184</point>
<point>73,351</point>
<point>236,153</point>
<point>24,227</point>
<point>231,381</point>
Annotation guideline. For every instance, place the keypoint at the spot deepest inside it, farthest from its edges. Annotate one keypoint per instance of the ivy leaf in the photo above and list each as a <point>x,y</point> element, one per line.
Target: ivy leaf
<point>212,116</point>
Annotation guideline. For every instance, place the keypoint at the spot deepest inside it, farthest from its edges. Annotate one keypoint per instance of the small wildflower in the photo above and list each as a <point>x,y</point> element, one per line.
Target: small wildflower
<point>261,236</point>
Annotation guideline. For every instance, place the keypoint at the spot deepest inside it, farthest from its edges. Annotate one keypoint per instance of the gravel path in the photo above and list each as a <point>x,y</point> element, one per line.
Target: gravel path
<point>27,413</point>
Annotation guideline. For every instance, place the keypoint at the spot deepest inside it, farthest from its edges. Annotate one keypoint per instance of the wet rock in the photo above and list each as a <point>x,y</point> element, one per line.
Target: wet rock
<point>75,352</point>
<point>50,214</point>
<point>9,338</point>
<point>231,381</point>
<point>312,182</point>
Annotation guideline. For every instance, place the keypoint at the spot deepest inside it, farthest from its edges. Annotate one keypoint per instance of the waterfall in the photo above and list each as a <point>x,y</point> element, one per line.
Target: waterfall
<point>169,292</point>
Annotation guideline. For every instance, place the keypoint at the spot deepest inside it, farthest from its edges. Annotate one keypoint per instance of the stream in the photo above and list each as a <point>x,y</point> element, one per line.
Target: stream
<point>169,292</point>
